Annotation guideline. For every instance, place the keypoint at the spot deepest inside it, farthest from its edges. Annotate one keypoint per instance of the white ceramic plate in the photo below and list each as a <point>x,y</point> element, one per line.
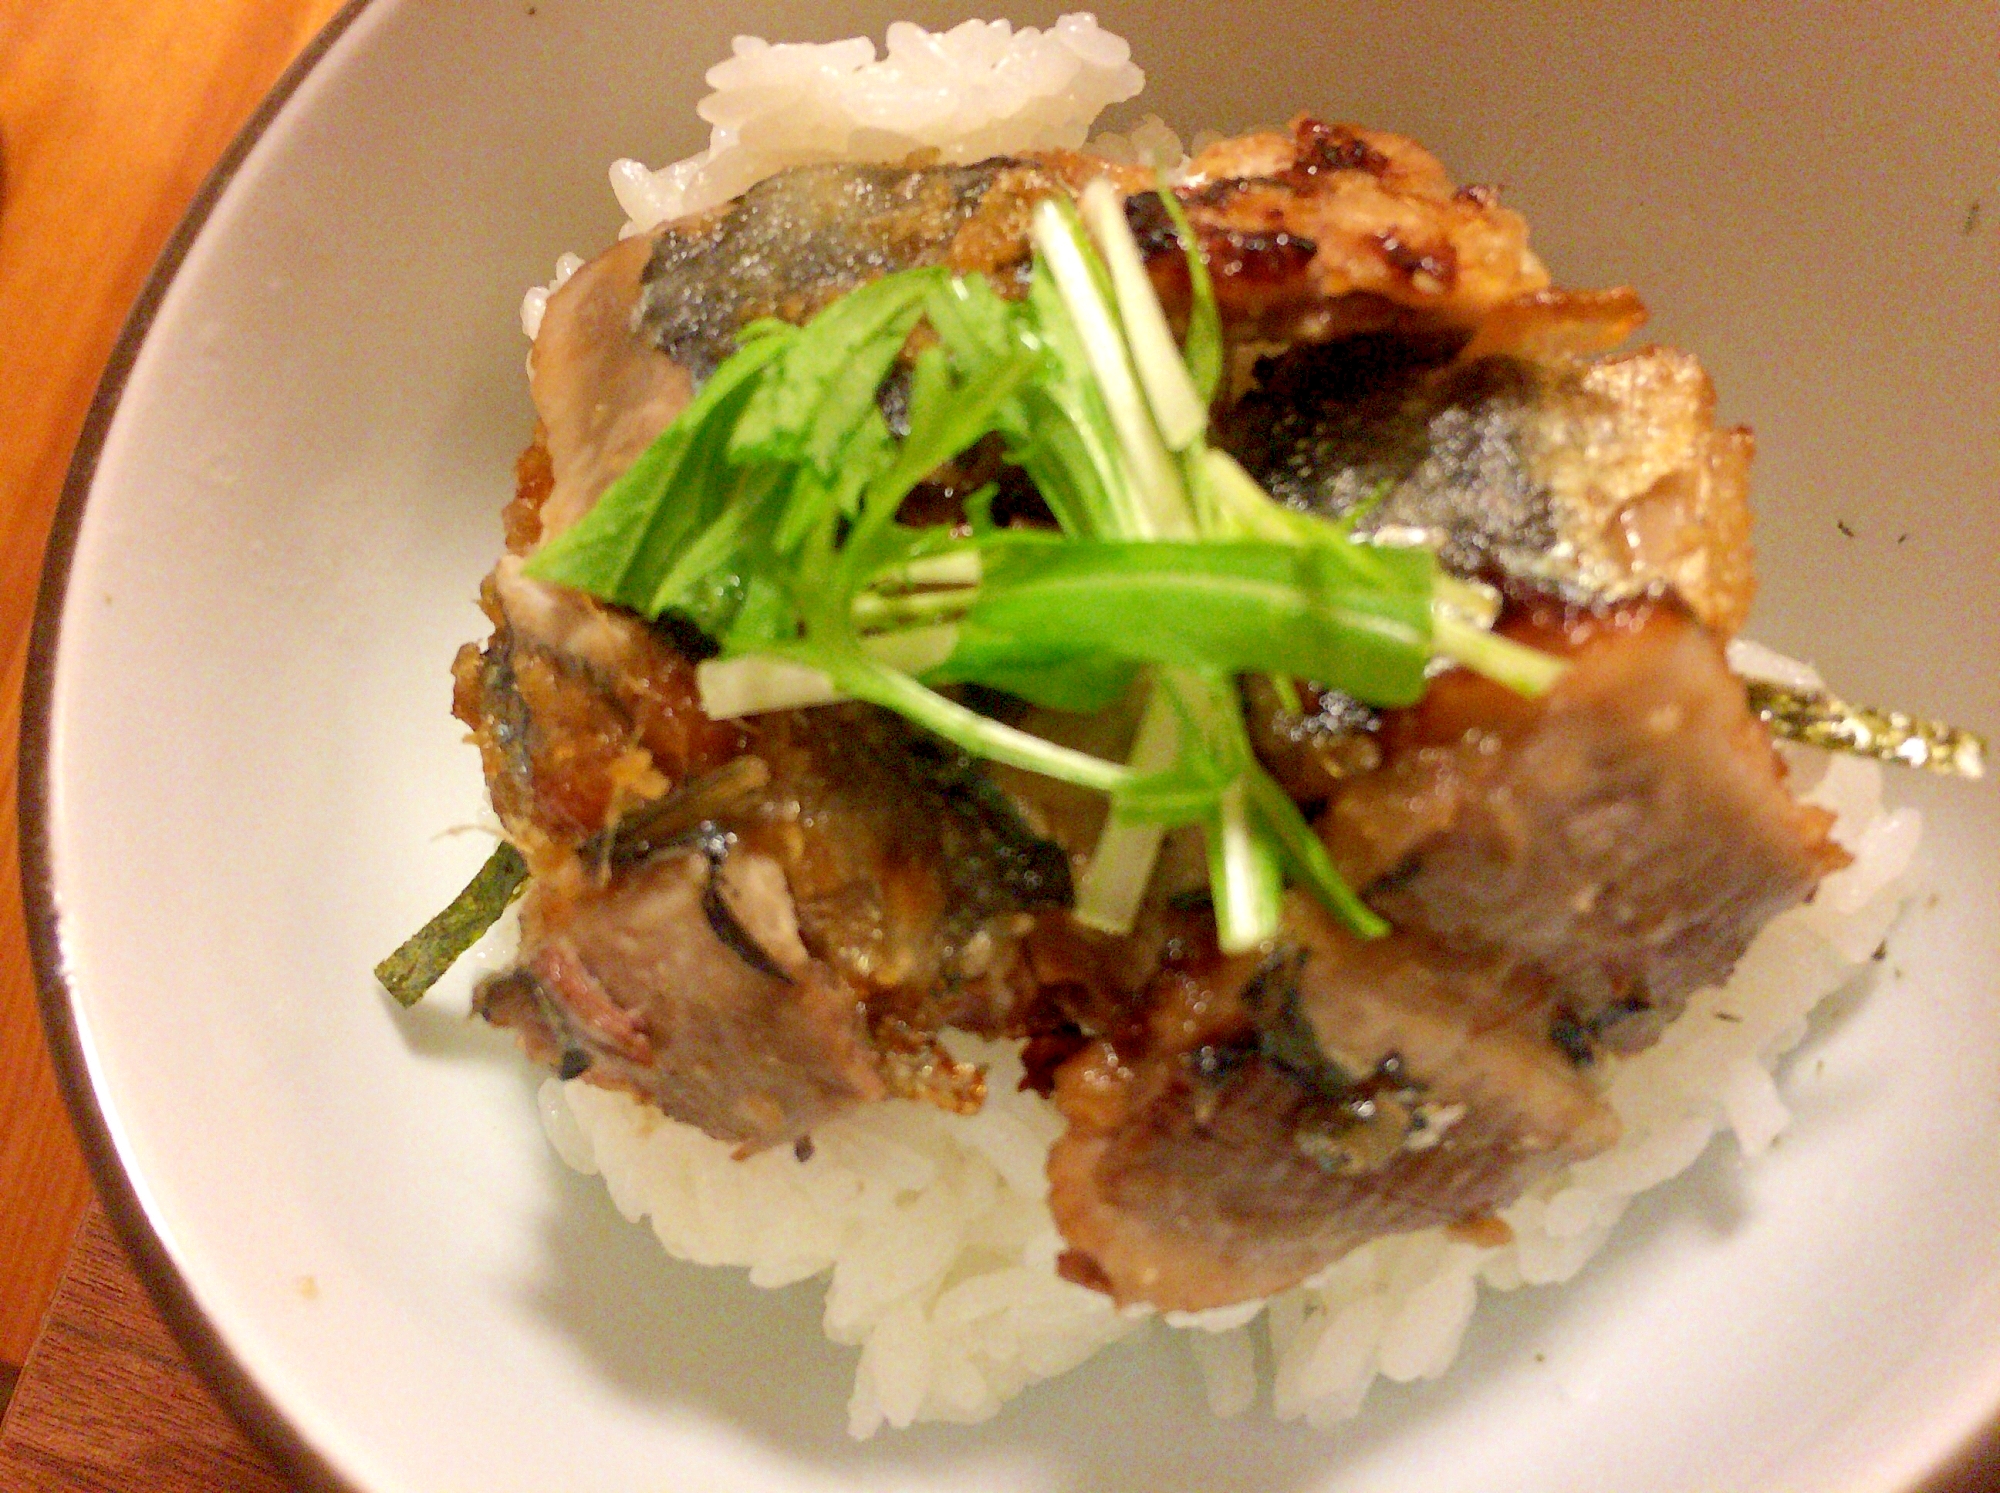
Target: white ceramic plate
<point>241,769</point>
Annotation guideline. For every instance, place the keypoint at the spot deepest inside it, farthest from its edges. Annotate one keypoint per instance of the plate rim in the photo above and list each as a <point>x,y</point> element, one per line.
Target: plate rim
<point>217,1365</point>
<point>1970,1466</point>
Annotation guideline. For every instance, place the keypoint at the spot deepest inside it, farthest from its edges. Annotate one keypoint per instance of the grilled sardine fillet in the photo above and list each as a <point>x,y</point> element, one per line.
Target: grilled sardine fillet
<point>1282,1108</point>
<point>1618,843</point>
<point>1324,231</point>
<point>684,983</point>
<point>820,891</point>
<point>1598,479</point>
<point>1318,232</point>
<point>1560,875</point>
<point>1312,234</point>
<point>757,925</point>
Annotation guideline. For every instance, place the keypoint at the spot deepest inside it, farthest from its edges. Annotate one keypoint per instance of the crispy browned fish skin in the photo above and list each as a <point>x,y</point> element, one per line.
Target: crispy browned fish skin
<point>1324,230</point>
<point>1602,479</point>
<point>581,712</point>
<point>1315,233</point>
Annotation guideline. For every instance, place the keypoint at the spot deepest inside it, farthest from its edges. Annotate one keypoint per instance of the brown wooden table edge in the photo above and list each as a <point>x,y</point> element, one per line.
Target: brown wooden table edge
<point>108,1401</point>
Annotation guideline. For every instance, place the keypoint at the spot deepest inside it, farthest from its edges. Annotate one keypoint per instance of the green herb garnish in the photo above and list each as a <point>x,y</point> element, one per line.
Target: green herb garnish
<point>435,947</point>
<point>767,514</point>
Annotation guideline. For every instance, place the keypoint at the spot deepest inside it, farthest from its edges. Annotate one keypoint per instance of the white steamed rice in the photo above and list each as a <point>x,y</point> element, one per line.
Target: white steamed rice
<point>980,89</point>
<point>934,1229</point>
<point>936,1234</point>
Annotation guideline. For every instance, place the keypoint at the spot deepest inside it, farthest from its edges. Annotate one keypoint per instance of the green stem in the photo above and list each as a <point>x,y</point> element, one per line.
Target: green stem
<point>433,948</point>
<point>1287,692</point>
<point>1165,512</point>
<point>1310,865</point>
<point>1114,883</point>
<point>1526,671</point>
<point>965,567</point>
<point>1204,350</point>
<point>757,683</point>
<point>1178,410</point>
<point>1476,604</point>
<point>876,613</point>
<point>864,679</point>
<point>1245,876</point>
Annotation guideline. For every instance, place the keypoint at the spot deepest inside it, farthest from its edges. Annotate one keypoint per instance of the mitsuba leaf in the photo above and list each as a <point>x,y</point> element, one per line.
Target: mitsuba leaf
<point>622,548</point>
<point>869,452</point>
<point>1236,607</point>
<point>1065,439</point>
<point>947,416</point>
<point>714,603</point>
<point>974,324</point>
<point>715,550</point>
<point>759,612</point>
<point>1079,682</point>
<point>809,406</point>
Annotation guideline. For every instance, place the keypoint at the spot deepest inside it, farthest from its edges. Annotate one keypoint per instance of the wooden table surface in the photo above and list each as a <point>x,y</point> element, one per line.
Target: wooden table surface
<point>108,1403</point>
<point>111,114</point>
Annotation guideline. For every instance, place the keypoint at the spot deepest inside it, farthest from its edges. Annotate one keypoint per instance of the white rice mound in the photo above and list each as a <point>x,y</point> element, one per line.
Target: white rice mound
<point>934,1229</point>
<point>980,89</point>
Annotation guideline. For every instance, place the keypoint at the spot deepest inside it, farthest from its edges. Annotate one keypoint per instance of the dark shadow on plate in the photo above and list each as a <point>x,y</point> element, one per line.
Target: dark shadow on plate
<point>1712,1191</point>
<point>1716,1192</point>
<point>1820,1105</point>
<point>1870,981</point>
<point>450,1035</point>
<point>1718,1189</point>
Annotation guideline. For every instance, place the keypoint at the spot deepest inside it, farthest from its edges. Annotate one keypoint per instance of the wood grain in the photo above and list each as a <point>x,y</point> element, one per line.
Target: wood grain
<point>107,1403</point>
<point>111,114</point>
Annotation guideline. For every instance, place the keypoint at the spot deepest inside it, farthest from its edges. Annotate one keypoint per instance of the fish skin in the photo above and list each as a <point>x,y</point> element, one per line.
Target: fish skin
<point>1599,480</point>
